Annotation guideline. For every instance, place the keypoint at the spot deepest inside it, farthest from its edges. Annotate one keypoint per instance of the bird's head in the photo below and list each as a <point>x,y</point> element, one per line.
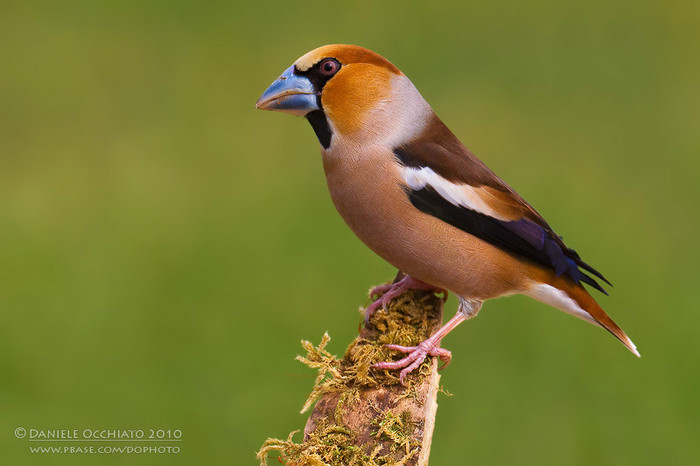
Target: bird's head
<point>347,91</point>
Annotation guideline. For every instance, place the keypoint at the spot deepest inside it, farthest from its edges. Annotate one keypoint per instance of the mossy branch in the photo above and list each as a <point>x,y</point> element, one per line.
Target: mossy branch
<point>364,416</point>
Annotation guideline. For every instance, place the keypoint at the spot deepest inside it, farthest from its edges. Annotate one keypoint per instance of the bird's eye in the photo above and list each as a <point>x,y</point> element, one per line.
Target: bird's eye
<point>329,67</point>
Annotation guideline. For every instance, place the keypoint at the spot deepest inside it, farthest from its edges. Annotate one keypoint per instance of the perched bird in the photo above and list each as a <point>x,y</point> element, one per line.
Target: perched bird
<point>418,198</point>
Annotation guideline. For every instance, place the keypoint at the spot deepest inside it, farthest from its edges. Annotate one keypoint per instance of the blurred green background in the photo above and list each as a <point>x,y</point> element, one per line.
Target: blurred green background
<point>164,247</point>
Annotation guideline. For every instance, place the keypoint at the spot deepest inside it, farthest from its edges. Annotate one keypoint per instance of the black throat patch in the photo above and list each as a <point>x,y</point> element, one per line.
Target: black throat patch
<point>319,123</point>
<point>317,118</point>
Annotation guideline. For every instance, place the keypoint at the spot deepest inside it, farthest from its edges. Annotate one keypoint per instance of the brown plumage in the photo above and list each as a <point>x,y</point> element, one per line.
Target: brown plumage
<point>417,197</point>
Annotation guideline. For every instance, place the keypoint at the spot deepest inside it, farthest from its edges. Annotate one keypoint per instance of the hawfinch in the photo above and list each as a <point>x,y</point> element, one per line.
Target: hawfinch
<point>416,196</point>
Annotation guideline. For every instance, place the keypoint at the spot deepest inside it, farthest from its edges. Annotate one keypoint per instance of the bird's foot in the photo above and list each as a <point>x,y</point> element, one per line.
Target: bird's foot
<point>390,291</point>
<point>431,346</point>
<point>416,356</point>
<point>379,290</point>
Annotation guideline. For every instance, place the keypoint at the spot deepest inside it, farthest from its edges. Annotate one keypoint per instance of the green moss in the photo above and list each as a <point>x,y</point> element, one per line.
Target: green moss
<point>328,444</point>
<point>406,321</point>
<point>334,445</point>
<point>399,430</point>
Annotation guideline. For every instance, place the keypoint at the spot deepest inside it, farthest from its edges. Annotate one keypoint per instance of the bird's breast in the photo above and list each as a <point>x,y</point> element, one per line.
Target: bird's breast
<point>367,189</point>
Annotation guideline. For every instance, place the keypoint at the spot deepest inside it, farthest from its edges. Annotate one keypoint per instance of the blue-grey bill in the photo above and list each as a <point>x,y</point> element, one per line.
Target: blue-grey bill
<point>289,93</point>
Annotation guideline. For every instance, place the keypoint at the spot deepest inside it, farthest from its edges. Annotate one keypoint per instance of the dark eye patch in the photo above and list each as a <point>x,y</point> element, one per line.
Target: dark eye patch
<point>319,77</point>
<point>321,72</point>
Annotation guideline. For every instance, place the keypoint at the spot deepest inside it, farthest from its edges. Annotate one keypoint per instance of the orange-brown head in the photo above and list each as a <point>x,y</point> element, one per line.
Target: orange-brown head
<point>342,89</point>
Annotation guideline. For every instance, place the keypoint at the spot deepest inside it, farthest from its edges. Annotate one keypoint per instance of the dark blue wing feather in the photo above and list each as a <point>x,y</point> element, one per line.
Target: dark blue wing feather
<point>523,236</point>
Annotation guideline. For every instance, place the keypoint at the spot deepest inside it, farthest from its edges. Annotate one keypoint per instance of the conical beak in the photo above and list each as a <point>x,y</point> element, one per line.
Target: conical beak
<point>289,93</point>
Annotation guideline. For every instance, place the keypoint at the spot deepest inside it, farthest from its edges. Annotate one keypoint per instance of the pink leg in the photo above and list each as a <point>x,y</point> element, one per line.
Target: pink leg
<point>390,291</point>
<point>431,346</point>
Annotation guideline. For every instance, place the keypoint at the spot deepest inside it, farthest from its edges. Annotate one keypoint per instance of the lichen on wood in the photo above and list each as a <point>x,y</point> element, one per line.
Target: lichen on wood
<point>364,416</point>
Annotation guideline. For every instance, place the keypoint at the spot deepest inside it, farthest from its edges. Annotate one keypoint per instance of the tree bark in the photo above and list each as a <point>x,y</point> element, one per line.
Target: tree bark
<point>365,416</point>
<point>388,401</point>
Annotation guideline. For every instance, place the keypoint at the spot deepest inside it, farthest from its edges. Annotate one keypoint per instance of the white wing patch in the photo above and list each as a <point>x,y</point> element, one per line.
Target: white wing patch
<point>559,299</point>
<point>461,195</point>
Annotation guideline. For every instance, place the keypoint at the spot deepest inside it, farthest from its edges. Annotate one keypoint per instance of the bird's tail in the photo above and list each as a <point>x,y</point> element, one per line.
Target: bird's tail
<point>574,299</point>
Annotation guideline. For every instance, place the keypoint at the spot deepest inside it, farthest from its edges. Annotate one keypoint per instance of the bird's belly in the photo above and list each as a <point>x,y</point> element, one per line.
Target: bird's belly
<point>371,200</point>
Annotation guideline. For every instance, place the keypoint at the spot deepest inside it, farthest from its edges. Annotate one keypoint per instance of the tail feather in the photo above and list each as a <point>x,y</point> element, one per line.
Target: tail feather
<point>586,302</point>
<point>575,300</point>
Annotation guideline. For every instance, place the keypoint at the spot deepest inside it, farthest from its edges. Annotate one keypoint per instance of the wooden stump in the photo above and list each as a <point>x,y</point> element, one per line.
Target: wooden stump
<point>365,416</point>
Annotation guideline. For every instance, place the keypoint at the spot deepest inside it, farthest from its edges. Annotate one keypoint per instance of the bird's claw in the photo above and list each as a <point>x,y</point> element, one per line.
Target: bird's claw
<point>389,291</point>
<point>379,303</point>
<point>379,290</point>
<point>416,356</point>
